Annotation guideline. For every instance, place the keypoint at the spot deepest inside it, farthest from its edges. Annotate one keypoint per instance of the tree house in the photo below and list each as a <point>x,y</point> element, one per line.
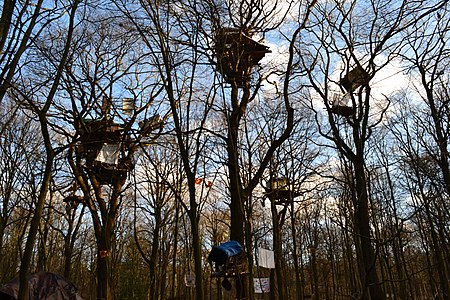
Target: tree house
<point>104,144</point>
<point>280,191</point>
<point>350,82</point>
<point>340,105</point>
<point>237,54</point>
<point>354,79</point>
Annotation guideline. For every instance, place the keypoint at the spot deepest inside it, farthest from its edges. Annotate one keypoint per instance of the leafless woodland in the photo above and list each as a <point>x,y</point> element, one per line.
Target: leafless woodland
<point>137,135</point>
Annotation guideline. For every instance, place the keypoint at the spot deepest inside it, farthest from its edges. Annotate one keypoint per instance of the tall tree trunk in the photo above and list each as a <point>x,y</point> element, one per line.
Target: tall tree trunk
<point>154,254</point>
<point>197,251</point>
<point>278,252</point>
<point>35,221</point>
<point>175,250</point>
<point>298,282</point>
<point>5,21</point>
<point>102,271</point>
<point>439,263</point>
<point>367,259</point>
<point>50,156</point>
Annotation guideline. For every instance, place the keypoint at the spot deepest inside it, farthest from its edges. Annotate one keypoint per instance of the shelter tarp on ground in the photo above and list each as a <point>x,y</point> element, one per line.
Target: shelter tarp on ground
<point>42,285</point>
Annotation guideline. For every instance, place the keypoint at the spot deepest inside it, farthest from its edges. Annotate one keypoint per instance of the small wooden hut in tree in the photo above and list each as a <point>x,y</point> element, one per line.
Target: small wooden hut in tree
<point>280,191</point>
<point>341,104</point>
<point>354,79</point>
<point>237,54</point>
<point>108,147</point>
<point>104,146</point>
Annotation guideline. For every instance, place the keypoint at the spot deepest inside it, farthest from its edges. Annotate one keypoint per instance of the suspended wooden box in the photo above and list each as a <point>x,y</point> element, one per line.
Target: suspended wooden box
<point>343,110</point>
<point>280,191</point>
<point>236,54</point>
<point>279,184</point>
<point>73,200</point>
<point>354,79</point>
<point>148,125</point>
<point>340,105</point>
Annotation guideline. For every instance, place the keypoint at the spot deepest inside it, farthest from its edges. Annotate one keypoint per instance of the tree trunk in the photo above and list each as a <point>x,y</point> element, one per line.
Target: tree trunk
<point>104,236</point>
<point>36,220</point>
<point>278,252</point>
<point>298,282</point>
<point>103,282</point>
<point>175,250</point>
<point>367,259</point>
<point>154,254</point>
<point>197,250</point>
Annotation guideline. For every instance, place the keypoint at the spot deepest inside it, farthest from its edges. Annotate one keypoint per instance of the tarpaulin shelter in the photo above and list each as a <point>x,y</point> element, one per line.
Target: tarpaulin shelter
<point>228,258</point>
<point>41,285</point>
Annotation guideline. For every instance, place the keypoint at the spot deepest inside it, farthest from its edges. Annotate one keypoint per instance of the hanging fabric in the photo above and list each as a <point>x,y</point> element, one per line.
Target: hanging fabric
<point>261,285</point>
<point>266,258</point>
<point>109,154</point>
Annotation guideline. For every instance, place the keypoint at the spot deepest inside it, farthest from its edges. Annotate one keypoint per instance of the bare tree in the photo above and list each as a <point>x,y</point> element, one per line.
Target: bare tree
<point>339,34</point>
<point>20,152</point>
<point>171,31</point>
<point>156,185</point>
<point>39,106</point>
<point>105,97</point>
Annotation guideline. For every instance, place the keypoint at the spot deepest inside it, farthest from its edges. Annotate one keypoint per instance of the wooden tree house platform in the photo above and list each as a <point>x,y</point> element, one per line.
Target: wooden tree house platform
<point>343,110</point>
<point>237,54</point>
<point>280,191</point>
<point>350,82</point>
<point>96,136</point>
<point>354,79</point>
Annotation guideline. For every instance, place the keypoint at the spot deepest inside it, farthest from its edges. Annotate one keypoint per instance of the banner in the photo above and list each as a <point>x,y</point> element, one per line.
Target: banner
<point>262,285</point>
<point>266,258</point>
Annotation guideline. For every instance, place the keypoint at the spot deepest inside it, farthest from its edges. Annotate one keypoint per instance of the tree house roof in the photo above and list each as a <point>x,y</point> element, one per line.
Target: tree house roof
<point>354,79</point>
<point>237,53</point>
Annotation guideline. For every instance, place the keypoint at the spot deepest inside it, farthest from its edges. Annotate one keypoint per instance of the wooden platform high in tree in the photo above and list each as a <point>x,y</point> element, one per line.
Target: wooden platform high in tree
<point>237,54</point>
<point>280,191</point>
<point>103,144</point>
<point>354,79</point>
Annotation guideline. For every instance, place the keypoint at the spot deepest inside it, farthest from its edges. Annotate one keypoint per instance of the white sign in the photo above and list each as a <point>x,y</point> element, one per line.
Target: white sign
<point>189,279</point>
<point>262,285</point>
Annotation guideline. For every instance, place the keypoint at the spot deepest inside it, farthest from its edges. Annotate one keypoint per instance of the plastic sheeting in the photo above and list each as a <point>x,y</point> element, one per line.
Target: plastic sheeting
<point>109,154</point>
<point>221,253</point>
<point>41,285</point>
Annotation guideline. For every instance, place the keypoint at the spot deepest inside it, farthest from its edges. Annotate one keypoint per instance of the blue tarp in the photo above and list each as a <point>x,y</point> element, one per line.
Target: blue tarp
<point>220,254</point>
